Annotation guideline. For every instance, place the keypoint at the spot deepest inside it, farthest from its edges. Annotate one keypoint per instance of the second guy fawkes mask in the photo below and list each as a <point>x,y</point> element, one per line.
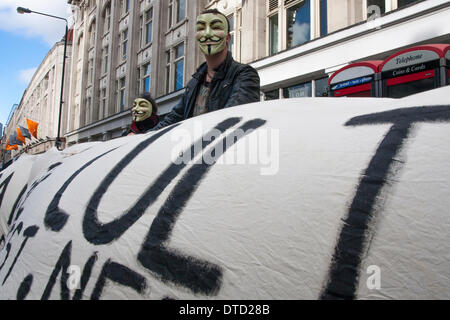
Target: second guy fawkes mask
<point>212,31</point>
<point>142,109</point>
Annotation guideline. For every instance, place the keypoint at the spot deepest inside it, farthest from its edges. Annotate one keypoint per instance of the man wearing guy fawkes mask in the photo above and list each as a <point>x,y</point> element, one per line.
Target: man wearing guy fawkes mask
<point>220,82</point>
<point>144,115</point>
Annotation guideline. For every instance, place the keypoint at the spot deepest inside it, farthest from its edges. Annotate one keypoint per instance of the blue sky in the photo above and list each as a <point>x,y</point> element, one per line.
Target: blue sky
<point>25,40</point>
<point>18,59</point>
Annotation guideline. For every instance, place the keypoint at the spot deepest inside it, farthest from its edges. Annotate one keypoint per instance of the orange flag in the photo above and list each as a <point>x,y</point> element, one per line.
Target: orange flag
<point>20,137</point>
<point>9,147</point>
<point>32,127</point>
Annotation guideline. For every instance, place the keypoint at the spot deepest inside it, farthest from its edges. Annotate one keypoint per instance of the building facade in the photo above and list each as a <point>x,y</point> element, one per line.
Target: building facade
<point>122,48</point>
<point>307,40</point>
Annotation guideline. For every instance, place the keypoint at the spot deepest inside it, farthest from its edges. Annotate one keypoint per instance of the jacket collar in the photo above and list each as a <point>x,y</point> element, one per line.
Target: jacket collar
<point>221,70</point>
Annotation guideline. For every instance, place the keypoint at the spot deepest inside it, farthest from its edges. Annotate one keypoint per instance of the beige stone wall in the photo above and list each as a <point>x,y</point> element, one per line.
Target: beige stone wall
<point>83,115</point>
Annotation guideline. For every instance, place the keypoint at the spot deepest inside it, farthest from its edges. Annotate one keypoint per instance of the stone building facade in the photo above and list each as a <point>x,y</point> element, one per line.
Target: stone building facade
<point>307,40</point>
<point>125,47</point>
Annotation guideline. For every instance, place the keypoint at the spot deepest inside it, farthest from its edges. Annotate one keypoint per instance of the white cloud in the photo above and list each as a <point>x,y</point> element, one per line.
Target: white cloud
<point>301,33</point>
<point>26,75</point>
<point>34,25</point>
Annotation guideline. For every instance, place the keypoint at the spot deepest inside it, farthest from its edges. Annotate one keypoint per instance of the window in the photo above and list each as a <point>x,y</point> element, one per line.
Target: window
<point>273,34</point>
<point>88,110</point>
<point>298,91</point>
<point>321,87</point>
<point>168,71</point>
<point>92,35</point>
<point>290,23</point>
<point>272,95</point>
<point>46,81</point>
<point>375,8</point>
<point>141,32</point>
<point>105,59</point>
<point>78,78</point>
<point>273,26</point>
<point>175,68</point>
<point>80,47</point>
<point>124,45</point>
<point>298,24</point>
<point>124,6</point>
<point>103,111</point>
<point>176,11</point>
<point>404,3</point>
<point>179,67</point>
<point>90,71</point>
<point>90,62</point>
<point>323,18</point>
<point>170,11</point>
<point>238,35</point>
<point>121,88</point>
<point>181,10</point>
<point>232,33</point>
<point>146,77</point>
<point>148,26</point>
<point>405,89</point>
<point>107,19</point>
<point>380,4</point>
<point>234,46</point>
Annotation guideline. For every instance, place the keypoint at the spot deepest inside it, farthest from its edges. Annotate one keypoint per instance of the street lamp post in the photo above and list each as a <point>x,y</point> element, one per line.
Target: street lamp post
<point>26,10</point>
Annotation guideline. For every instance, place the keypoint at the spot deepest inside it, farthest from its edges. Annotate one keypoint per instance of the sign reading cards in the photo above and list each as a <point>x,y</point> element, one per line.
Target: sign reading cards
<point>410,69</point>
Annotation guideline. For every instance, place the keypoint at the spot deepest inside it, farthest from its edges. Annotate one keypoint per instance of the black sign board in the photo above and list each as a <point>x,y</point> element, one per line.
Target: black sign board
<point>410,69</point>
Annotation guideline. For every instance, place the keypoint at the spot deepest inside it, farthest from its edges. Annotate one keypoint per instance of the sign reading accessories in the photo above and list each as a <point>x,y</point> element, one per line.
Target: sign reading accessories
<point>410,62</point>
<point>353,82</point>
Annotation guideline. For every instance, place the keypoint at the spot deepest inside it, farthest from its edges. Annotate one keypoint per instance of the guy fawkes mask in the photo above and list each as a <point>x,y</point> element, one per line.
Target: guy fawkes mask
<point>212,31</point>
<point>142,109</point>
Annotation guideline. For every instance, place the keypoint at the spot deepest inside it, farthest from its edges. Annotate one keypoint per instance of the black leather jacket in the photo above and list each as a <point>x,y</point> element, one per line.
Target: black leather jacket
<point>233,84</point>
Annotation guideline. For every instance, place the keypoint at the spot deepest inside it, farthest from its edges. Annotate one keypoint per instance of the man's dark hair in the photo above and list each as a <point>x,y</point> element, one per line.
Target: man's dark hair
<point>215,11</point>
<point>149,98</point>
